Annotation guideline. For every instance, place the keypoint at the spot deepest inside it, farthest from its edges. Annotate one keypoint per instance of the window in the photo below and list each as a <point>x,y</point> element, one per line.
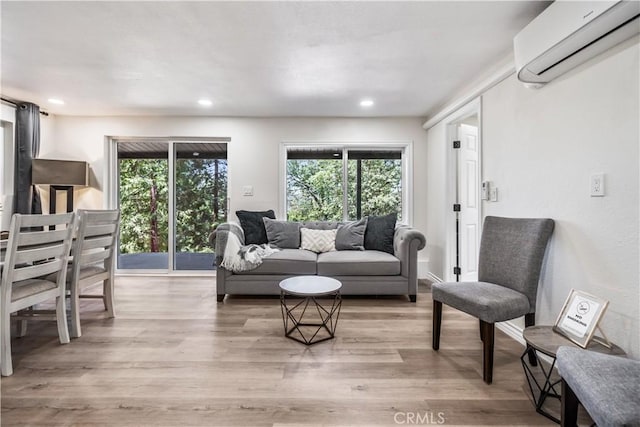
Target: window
<point>336,182</point>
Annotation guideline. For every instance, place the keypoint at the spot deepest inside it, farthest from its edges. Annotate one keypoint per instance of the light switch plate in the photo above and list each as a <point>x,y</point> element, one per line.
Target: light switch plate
<point>493,194</point>
<point>247,190</point>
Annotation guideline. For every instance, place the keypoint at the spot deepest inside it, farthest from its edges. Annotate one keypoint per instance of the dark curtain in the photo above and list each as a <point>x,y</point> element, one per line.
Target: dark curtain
<point>27,148</point>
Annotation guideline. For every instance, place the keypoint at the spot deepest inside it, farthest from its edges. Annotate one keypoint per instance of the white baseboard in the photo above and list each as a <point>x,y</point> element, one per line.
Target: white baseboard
<point>512,330</point>
<point>515,332</point>
<point>433,277</point>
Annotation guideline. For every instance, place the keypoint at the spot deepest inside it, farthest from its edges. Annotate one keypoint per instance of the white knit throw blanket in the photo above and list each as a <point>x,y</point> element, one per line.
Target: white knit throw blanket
<point>238,258</point>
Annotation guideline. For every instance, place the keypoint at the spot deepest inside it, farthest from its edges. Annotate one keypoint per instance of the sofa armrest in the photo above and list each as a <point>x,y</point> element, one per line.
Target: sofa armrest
<point>218,239</point>
<point>407,242</point>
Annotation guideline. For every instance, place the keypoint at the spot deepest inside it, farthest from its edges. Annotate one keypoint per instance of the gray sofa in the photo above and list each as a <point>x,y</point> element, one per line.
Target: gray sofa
<point>367,272</point>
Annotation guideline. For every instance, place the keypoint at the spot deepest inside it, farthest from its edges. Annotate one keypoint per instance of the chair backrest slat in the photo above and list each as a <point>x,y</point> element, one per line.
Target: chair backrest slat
<point>89,258</point>
<point>512,251</point>
<point>29,254</point>
<point>100,229</point>
<point>44,220</point>
<point>104,216</point>
<point>41,237</point>
<point>36,270</point>
<point>98,242</point>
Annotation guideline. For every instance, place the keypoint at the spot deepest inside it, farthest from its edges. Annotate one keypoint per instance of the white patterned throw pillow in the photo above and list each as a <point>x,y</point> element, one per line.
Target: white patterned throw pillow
<point>318,240</point>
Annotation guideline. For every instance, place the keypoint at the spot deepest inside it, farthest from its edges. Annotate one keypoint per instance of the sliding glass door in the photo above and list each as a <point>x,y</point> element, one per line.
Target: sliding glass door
<point>143,200</point>
<point>200,183</point>
<point>171,195</point>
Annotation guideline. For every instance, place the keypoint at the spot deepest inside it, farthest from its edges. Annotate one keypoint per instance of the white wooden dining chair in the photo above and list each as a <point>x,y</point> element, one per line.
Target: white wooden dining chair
<point>92,260</point>
<point>33,254</point>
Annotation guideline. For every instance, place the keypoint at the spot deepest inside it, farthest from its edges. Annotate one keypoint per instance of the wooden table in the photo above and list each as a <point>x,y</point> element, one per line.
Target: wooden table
<point>543,339</point>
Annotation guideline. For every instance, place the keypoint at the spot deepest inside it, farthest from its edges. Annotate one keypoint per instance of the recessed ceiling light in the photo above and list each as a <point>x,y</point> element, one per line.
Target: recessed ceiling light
<point>366,103</point>
<point>205,102</point>
<point>56,101</point>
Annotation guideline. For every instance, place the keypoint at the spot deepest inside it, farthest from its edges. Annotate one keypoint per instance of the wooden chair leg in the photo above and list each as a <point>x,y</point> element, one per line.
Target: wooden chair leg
<point>107,291</point>
<point>5,343</point>
<point>61,319</point>
<point>437,322</point>
<point>569,411</point>
<point>530,320</point>
<point>487,356</point>
<point>76,330</point>
<point>481,330</point>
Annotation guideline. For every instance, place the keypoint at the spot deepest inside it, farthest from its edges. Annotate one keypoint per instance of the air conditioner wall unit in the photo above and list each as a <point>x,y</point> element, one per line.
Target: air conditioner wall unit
<point>568,33</point>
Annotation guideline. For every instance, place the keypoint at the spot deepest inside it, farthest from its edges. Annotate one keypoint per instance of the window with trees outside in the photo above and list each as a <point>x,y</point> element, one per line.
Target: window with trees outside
<point>337,183</point>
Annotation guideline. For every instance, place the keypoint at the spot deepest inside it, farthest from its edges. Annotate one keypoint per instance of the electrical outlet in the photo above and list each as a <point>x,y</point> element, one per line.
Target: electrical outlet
<point>597,185</point>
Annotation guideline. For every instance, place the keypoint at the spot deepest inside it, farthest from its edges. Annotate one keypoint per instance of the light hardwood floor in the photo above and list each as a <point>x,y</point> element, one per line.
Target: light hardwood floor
<point>174,356</point>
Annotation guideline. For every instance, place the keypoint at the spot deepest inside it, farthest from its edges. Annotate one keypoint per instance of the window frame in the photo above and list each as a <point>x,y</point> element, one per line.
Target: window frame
<point>405,147</point>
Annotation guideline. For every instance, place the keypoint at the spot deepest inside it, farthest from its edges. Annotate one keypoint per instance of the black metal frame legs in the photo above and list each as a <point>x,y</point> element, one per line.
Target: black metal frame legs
<point>326,320</point>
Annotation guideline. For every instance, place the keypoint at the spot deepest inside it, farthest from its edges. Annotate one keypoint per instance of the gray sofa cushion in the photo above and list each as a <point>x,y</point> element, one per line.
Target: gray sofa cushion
<point>282,234</point>
<point>607,386</point>
<point>486,301</point>
<point>350,236</point>
<point>253,226</point>
<point>358,263</point>
<point>291,261</point>
<point>380,232</point>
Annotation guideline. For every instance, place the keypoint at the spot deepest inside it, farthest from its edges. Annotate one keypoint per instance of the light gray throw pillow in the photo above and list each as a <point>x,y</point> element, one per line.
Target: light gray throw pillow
<point>350,236</point>
<point>282,234</point>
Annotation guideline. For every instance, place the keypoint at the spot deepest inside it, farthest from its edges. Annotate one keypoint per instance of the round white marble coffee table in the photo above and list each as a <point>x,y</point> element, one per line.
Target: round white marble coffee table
<point>305,319</point>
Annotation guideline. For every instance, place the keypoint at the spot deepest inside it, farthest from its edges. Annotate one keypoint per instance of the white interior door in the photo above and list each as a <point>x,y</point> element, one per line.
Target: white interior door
<point>469,200</point>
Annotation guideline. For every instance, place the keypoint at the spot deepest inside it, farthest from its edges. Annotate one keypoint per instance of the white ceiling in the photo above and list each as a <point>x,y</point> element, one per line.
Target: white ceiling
<point>252,58</point>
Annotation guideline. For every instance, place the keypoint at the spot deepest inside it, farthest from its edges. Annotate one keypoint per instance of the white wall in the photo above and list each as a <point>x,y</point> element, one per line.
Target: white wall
<point>436,201</point>
<point>540,148</point>
<point>253,152</point>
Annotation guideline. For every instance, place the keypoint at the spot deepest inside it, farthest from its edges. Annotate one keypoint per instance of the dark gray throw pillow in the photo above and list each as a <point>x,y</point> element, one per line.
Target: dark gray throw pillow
<point>379,233</point>
<point>350,236</point>
<point>282,234</point>
<point>253,226</point>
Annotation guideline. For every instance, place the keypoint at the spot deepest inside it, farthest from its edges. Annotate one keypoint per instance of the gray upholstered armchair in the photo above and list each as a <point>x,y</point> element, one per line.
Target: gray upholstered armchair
<point>511,254</point>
